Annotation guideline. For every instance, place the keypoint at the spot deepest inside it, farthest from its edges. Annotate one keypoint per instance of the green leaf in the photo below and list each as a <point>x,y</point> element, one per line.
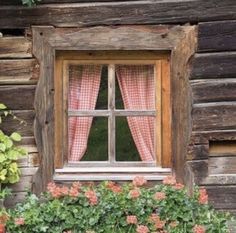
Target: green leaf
<point>2,106</point>
<point>16,137</point>
<point>2,147</point>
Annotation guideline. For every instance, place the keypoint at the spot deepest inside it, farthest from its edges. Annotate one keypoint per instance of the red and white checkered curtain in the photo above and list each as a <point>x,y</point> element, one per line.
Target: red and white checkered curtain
<point>138,93</point>
<point>84,85</point>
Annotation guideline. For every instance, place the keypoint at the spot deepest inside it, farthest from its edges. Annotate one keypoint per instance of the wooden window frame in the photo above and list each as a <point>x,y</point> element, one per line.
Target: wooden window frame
<point>179,41</point>
<point>160,61</point>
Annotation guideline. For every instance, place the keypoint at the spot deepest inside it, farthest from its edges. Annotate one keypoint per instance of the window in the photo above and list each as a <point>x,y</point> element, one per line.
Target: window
<point>115,109</point>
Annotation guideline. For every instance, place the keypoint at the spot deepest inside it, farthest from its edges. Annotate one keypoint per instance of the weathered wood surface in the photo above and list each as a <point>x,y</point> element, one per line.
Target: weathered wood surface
<point>10,125</point>
<point>222,197</point>
<point>214,65</point>
<point>15,198</point>
<point>117,13</point>
<point>203,137</point>
<point>15,47</point>
<point>16,71</point>
<point>214,116</point>
<point>222,165</point>
<point>198,151</point>
<point>217,36</point>
<point>18,97</point>
<point>213,90</point>
<point>222,148</point>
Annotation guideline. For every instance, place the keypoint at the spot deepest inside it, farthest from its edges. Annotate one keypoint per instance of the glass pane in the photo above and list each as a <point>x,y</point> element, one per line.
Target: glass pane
<point>84,86</point>
<point>102,101</point>
<point>137,87</point>
<point>85,144</point>
<point>135,138</point>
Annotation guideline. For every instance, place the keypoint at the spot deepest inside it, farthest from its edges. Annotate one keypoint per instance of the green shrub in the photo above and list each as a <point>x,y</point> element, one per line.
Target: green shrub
<point>30,3</point>
<point>110,208</point>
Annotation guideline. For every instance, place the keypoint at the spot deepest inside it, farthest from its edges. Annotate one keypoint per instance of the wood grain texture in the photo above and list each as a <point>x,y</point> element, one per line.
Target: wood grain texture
<point>15,47</point>
<point>10,125</point>
<point>18,97</point>
<point>214,116</point>
<point>222,165</point>
<point>213,90</point>
<point>214,65</point>
<point>117,13</point>
<point>17,71</point>
<point>222,197</point>
<point>198,151</point>
<point>217,36</point>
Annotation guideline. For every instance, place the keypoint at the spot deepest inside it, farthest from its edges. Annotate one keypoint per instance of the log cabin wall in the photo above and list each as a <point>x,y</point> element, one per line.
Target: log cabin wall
<point>213,77</point>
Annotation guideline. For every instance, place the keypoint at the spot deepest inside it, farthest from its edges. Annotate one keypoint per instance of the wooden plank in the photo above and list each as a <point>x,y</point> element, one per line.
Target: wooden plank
<point>214,65</point>
<point>18,71</point>
<point>10,125</point>
<point>198,151</point>
<point>213,90</point>
<point>114,13</point>
<point>222,165</point>
<point>25,184</point>
<point>222,148</point>
<point>214,116</point>
<point>15,198</point>
<point>15,47</point>
<point>219,179</point>
<point>18,97</point>
<point>217,36</point>
<point>222,197</point>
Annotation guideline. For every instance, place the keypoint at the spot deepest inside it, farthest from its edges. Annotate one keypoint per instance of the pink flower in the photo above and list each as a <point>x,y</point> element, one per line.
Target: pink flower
<point>73,192</point>
<point>142,229</point>
<point>76,185</point>
<point>159,196</point>
<point>169,180</point>
<point>92,196</point>
<point>203,197</point>
<point>64,190</point>
<point>179,186</point>
<point>199,229</point>
<point>139,181</point>
<point>131,219</point>
<point>134,193</point>
<point>19,221</point>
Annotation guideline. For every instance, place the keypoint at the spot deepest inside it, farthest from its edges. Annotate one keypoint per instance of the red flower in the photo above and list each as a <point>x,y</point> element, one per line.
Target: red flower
<point>73,192</point>
<point>131,219</point>
<point>92,196</point>
<point>203,197</point>
<point>159,196</point>
<point>134,193</point>
<point>169,180</point>
<point>139,181</point>
<point>19,221</point>
<point>142,229</point>
<point>199,229</point>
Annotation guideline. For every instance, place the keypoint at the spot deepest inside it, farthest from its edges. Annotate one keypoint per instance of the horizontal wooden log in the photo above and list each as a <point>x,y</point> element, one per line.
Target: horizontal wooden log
<point>18,71</point>
<point>18,97</point>
<point>214,65</point>
<point>117,13</point>
<point>10,125</point>
<point>217,36</point>
<point>25,184</point>
<point>219,180</point>
<point>32,160</point>
<point>15,198</point>
<point>214,116</point>
<point>213,90</point>
<point>203,137</point>
<point>198,169</point>
<point>222,165</point>
<point>224,148</point>
<point>15,47</point>
<point>222,197</point>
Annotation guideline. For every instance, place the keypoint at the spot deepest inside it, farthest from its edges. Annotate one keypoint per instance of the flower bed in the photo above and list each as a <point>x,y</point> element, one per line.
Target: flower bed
<point>111,208</point>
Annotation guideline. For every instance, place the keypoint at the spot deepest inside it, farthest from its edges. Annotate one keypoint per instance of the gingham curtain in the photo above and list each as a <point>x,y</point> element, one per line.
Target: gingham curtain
<point>84,85</point>
<point>138,93</point>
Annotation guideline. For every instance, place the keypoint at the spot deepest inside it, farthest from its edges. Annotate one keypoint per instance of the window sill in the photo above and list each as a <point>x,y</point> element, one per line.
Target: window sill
<point>68,174</point>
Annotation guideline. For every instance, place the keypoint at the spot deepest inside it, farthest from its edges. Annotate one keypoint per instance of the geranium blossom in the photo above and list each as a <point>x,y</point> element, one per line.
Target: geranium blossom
<point>178,186</point>
<point>139,181</point>
<point>134,193</point>
<point>142,229</point>
<point>92,197</point>
<point>131,219</point>
<point>159,196</point>
<point>203,197</point>
<point>169,180</point>
<point>199,229</point>
<point>19,221</point>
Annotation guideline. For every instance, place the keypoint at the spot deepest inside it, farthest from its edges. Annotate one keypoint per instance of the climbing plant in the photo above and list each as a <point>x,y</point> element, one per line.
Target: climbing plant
<point>30,2</point>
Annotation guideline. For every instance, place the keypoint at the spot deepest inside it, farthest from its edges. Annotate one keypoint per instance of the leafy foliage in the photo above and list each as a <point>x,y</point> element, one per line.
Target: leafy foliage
<point>110,208</point>
<point>9,153</point>
<point>30,3</point>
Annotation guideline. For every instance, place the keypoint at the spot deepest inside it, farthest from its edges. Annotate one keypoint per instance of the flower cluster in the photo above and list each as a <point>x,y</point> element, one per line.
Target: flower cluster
<point>203,197</point>
<point>92,197</point>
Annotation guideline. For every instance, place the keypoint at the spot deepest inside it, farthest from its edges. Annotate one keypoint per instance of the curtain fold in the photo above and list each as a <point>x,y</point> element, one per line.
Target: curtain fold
<point>84,86</point>
<point>137,87</point>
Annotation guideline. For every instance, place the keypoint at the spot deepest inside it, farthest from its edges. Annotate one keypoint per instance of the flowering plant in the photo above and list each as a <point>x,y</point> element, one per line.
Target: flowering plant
<point>111,208</point>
